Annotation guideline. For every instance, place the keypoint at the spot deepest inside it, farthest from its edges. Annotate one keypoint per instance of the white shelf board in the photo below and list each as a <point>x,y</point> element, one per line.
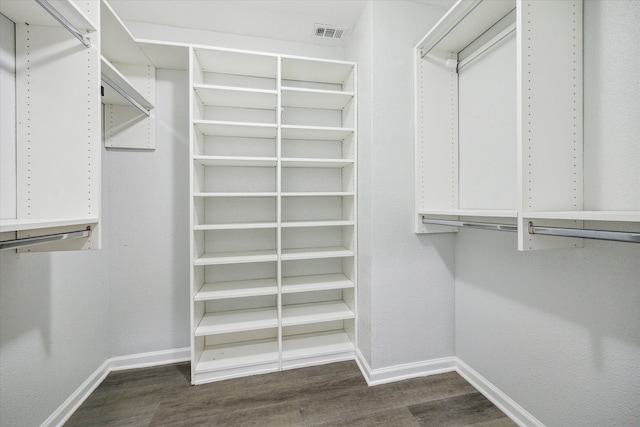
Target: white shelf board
<point>235,226</point>
<point>166,55</point>
<point>318,282</point>
<point>237,194</point>
<point>473,25</point>
<point>315,70</point>
<point>11,225</point>
<point>239,129</point>
<point>117,43</point>
<point>612,216</point>
<point>497,213</point>
<point>318,194</point>
<point>315,163</point>
<point>313,98</point>
<point>225,96</point>
<point>316,312</point>
<point>113,97</point>
<point>239,257</point>
<point>236,161</point>
<point>30,12</point>
<point>315,253</point>
<point>236,321</point>
<point>330,223</point>
<point>237,355</point>
<point>236,289</point>
<point>227,61</point>
<point>316,344</point>
<point>321,133</point>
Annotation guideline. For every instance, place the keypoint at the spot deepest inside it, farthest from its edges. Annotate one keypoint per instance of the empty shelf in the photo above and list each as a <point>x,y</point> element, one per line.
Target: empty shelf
<point>319,282</point>
<point>235,226</point>
<point>236,289</point>
<point>316,163</point>
<point>8,225</point>
<point>236,194</point>
<point>313,98</point>
<point>332,223</point>
<point>316,344</point>
<point>315,253</point>
<point>318,194</point>
<point>239,129</point>
<point>225,96</point>
<point>237,355</point>
<point>236,321</point>
<point>315,132</point>
<point>236,161</point>
<point>236,257</point>
<point>302,314</point>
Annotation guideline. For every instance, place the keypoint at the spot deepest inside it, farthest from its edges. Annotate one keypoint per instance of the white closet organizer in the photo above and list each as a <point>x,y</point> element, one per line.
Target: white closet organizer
<point>58,123</point>
<point>273,212</point>
<point>504,145</point>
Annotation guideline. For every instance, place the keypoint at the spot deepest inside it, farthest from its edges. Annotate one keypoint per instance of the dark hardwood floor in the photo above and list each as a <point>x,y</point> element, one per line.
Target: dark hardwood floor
<point>327,395</point>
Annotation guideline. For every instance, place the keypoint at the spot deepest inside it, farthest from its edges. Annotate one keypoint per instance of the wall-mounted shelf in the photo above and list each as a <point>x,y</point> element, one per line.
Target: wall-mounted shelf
<point>475,159</point>
<point>32,13</point>
<point>273,180</point>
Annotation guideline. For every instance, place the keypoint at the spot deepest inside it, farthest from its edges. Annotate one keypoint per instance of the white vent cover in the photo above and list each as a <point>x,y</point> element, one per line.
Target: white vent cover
<point>329,31</point>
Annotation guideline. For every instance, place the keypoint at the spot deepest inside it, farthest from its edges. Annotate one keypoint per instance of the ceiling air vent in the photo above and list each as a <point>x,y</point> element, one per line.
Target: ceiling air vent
<point>329,31</point>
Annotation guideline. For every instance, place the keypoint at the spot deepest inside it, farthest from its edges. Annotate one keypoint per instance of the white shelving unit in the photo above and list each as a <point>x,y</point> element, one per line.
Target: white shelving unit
<point>128,85</point>
<point>273,212</point>
<point>57,124</point>
<point>478,161</point>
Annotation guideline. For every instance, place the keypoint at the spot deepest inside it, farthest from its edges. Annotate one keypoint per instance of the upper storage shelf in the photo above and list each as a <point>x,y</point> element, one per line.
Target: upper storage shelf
<point>119,53</point>
<point>481,62</point>
<point>33,13</point>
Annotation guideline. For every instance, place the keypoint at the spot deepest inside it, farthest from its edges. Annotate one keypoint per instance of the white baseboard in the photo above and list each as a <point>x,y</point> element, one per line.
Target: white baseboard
<point>507,405</point>
<point>142,360</point>
<point>406,371</point>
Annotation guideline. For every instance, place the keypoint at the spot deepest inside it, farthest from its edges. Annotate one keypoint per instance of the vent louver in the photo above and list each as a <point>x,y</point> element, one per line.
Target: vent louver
<point>329,31</point>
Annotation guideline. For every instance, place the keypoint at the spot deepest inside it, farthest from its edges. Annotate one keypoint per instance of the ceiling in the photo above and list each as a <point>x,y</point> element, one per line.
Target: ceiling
<point>291,20</point>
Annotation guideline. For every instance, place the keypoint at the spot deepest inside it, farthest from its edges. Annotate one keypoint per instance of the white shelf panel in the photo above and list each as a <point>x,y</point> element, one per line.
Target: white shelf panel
<point>304,314</point>
<point>237,289</point>
<point>236,321</point>
<point>236,161</point>
<point>319,194</point>
<point>336,223</point>
<point>315,132</point>
<point>9,225</point>
<point>475,23</point>
<point>313,98</point>
<point>235,226</point>
<point>224,96</point>
<point>315,163</point>
<point>166,55</point>
<point>319,282</point>
<point>612,216</point>
<point>239,129</point>
<point>117,43</point>
<point>113,97</point>
<point>471,212</point>
<point>21,12</point>
<point>237,355</point>
<point>258,194</point>
<point>317,344</point>
<point>310,69</point>
<point>237,62</point>
<point>315,253</point>
<point>236,257</point>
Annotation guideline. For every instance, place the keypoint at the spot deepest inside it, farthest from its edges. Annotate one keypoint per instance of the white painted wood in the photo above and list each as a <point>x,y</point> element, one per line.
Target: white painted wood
<point>111,96</point>
<point>237,155</point>
<point>471,213</point>
<point>30,12</point>
<point>118,44</point>
<point>236,257</point>
<point>236,321</point>
<point>9,225</point>
<point>302,314</point>
<point>317,282</point>
<point>612,216</point>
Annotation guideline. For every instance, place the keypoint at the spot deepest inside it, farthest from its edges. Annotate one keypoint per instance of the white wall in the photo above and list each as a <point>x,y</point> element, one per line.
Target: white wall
<point>557,330</point>
<point>405,281</point>
<point>54,310</point>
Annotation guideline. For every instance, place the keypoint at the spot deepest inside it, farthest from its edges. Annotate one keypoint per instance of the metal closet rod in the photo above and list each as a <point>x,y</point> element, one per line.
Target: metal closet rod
<point>64,22</point>
<point>615,236</point>
<point>124,94</point>
<point>454,24</point>
<point>36,240</point>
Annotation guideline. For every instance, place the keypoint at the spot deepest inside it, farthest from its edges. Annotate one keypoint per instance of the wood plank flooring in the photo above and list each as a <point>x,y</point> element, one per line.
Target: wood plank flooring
<point>327,395</point>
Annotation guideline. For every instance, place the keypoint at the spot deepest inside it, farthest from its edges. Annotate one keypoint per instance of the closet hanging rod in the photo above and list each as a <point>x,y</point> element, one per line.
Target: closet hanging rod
<point>469,224</point>
<point>124,94</point>
<point>445,33</point>
<point>36,240</point>
<point>615,236</point>
<point>64,22</point>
